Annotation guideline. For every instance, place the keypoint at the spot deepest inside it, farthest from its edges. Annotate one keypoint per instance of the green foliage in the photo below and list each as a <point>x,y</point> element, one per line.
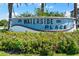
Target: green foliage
<point>4,30</point>
<point>68,46</point>
<point>25,14</point>
<point>39,13</point>
<point>3,22</point>
<point>56,14</point>
<point>39,43</point>
<point>13,45</point>
<point>47,13</point>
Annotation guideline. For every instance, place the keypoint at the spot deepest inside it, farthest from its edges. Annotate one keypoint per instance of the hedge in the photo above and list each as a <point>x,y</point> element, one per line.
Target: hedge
<point>45,43</point>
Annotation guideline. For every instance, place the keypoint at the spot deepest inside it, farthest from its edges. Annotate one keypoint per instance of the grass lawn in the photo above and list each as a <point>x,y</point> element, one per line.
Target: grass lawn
<point>2,53</point>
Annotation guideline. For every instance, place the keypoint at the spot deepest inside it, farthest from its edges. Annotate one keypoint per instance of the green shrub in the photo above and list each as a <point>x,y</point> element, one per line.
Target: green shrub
<point>39,47</point>
<point>13,45</point>
<point>39,43</point>
<point>4,30</point>
<point>68,46</point>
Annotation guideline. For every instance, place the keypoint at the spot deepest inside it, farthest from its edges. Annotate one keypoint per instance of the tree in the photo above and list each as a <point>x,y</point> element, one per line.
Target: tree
<point>38,12</point>
<point>42,8</point>
<point>10,7</point>
<point>25,14</point>
<point>75,10</point>
<point>3,22</point>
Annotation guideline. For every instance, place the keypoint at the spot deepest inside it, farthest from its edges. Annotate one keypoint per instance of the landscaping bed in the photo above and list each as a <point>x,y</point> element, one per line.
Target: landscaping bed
<point>43,44</point>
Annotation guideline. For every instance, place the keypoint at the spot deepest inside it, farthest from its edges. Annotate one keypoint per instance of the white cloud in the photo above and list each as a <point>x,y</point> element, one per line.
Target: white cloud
<point>49,7</point>
<point>30,4</point>
<point>13,15</point>
<point>38,4</point>
<point>5,16</point>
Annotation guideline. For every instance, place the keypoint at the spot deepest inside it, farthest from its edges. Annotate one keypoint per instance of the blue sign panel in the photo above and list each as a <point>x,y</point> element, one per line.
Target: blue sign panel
<point>44,24</point>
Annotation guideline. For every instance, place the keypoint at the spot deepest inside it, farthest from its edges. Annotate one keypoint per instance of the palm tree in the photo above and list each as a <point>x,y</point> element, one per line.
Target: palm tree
<point>42,8</point>
<point>10,8</point>
<point>75,13</point>
<point>75,10</point>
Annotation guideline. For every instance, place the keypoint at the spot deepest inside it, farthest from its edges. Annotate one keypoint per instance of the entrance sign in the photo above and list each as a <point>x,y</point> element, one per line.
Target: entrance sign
<point>42,24</point>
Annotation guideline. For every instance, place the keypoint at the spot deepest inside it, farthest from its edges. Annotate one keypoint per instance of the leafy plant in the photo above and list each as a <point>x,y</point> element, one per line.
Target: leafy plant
<point>44,43</point>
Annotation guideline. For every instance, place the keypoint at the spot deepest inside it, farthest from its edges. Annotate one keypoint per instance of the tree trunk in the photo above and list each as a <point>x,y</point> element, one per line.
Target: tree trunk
<point>75,10</point>
<point>42,8</point>
<point>10,7</point>
<point>75,13</point>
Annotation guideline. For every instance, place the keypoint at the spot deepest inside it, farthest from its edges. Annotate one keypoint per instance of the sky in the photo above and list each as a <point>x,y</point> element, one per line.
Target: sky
<point>60,7</point>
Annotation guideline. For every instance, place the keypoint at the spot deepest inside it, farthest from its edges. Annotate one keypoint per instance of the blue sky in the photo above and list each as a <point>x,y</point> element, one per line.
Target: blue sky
<point>60,7</point>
